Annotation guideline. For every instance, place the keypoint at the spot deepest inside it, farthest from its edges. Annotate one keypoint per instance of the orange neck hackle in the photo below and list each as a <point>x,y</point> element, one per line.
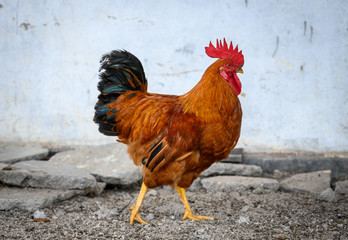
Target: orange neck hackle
<point>212,97</point>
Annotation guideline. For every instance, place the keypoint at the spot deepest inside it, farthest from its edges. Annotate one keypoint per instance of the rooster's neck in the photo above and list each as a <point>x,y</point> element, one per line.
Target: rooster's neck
<point>212,98</point>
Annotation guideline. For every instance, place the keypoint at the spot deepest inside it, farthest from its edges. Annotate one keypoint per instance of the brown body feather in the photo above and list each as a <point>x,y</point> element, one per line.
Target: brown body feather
<point>175,138</point>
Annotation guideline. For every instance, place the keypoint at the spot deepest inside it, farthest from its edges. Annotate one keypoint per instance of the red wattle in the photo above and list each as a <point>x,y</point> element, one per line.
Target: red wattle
<point>235,83</point>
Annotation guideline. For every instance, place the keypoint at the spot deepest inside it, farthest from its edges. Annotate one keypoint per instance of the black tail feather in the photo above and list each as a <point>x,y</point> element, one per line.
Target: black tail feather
<point>120,71</point>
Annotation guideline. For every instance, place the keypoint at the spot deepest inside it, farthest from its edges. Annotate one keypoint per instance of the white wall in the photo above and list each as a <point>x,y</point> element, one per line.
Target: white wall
<point>295,85</point>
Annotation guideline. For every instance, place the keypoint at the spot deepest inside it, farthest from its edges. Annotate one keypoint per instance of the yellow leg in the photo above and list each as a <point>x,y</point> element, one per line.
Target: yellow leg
<point>188,212</point>
<point>136,208</point>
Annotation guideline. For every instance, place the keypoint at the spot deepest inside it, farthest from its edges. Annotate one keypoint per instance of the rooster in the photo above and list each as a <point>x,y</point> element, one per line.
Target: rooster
<point>173,138</point>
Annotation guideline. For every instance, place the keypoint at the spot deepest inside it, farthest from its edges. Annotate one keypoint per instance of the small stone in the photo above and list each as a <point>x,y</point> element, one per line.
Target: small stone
<point>277,173</point>
<point>243,220</point>
<point>39,214</point>
<point>259,190</point>
<point>328,195</point>
<point>152,192</point>
<point>245,208</point>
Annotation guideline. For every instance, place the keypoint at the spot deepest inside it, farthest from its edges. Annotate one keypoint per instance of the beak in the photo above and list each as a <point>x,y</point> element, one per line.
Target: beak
<point>239,70</point>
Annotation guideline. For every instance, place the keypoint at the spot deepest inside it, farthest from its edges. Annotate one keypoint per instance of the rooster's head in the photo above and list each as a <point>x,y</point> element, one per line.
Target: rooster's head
<point>232,64</point>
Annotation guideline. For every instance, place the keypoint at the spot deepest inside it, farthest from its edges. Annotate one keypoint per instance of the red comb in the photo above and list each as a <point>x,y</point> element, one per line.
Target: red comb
<point>224,52</point>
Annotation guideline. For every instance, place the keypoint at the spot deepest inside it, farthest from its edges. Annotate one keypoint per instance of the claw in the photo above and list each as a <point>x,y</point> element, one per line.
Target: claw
<point>188,212</point>
<point>189,215</point>
<point>135,216</point>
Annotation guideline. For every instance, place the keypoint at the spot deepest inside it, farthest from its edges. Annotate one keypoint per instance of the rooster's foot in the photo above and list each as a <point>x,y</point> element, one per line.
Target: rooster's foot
<point>135,216</point>
<point>190,215</point>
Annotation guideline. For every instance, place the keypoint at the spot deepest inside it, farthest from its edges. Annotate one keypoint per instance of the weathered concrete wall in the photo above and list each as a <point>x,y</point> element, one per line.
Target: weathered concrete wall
<point>294,87</point>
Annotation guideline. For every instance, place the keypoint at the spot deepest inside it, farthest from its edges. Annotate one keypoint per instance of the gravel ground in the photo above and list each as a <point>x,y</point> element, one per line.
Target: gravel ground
<point>238,215</point>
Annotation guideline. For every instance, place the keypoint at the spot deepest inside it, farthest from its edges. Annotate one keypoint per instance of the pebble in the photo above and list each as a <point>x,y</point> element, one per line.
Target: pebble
<point>328,195</point>
<point>242,220</point>
<point>39,214</point>
<point>259,190</point>
<point>245,208</point>
<point>152,192</point>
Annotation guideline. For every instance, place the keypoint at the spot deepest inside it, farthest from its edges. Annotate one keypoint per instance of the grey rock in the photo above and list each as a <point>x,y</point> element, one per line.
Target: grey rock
<point>32,199</point>
<point>108,163</point>
<point>296,162</point>
<point>235,183</point>
<point>339,171</point>
<point>314,182</point>
<point>44,174</point>
<point>328,195</point>
<point>342,187</point>
<point>4,165</point>
<point>232,169</point>
<point>12,152</point>
<point>96,190</point>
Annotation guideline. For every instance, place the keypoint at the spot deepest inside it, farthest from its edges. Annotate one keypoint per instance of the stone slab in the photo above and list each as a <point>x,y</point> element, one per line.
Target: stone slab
<point>236,183</point>
<point>12,152</point>
<point>109,163</point>
<point>232,169</point>
<point>327,195</point>
<point>296,162</point>
<point>342,187</point>
<point>4,165</point>
<point>44,174</point>
<point>314,182</point>
<point>32,199</point>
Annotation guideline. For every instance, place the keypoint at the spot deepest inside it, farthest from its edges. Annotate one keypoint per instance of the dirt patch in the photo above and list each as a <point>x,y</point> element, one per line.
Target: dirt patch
<point>238,215</point>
